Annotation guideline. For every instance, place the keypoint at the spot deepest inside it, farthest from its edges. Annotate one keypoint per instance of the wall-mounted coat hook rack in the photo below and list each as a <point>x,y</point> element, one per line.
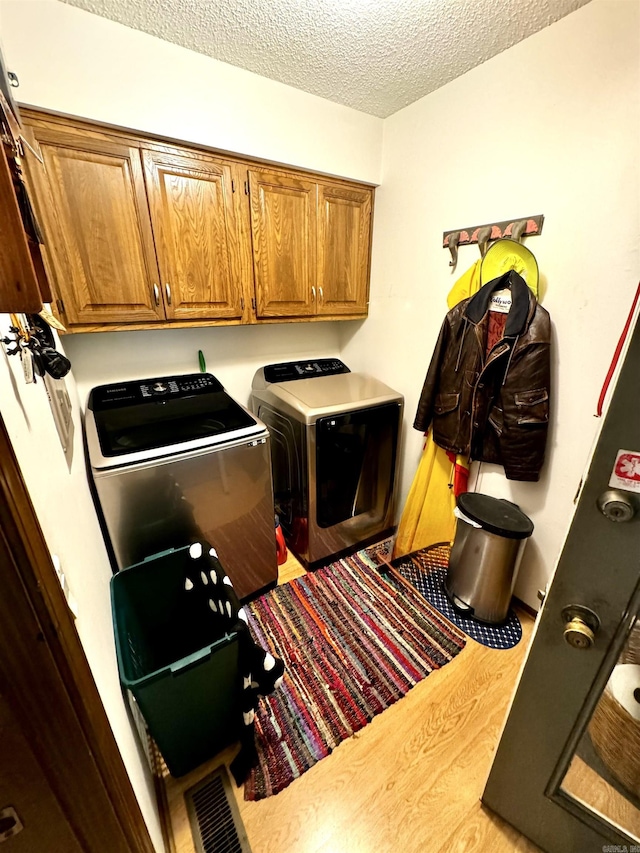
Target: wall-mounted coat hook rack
<point>525,226</point>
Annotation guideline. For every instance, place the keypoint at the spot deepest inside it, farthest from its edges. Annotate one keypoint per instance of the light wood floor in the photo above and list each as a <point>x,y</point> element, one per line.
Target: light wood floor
<point>409,782</point>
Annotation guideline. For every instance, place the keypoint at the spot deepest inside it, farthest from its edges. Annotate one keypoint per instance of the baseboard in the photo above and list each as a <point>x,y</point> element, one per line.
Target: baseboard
<point>162,800</point>
<point>526,607</point>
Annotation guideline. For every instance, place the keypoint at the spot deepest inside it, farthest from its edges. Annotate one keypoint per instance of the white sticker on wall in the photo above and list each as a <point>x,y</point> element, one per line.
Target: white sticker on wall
<point>626,471</point>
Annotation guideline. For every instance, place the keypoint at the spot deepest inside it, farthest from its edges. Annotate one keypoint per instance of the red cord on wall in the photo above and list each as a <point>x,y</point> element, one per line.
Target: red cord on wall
<point>616,355</point>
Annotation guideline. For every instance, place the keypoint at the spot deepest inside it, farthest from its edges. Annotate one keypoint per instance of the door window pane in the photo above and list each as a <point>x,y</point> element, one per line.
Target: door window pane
<point>604,773</point>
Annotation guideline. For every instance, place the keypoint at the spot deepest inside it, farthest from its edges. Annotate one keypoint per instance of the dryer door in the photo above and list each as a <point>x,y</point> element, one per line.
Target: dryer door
<point>355,464</point>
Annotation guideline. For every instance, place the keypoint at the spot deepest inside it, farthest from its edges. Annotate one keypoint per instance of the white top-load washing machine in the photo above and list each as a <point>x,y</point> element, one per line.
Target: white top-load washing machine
<point>334,446</point>
<point>174,460</point>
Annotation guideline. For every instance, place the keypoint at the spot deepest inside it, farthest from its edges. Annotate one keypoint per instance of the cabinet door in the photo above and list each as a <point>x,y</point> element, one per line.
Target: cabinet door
<point>19,289</point>
<point>283,227</point>
<point>344,238</point>
<point>196,234</point>
<point>97,228</point>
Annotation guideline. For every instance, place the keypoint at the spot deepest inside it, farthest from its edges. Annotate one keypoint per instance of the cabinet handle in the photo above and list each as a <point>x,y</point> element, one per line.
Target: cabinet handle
<point>313,292</point>
<point>156,294</point>
<point>168,292</point>
<point>321,293</point>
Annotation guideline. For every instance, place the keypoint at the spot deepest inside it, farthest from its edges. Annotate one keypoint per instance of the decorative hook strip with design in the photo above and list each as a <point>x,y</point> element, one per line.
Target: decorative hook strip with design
<point>498,229</point>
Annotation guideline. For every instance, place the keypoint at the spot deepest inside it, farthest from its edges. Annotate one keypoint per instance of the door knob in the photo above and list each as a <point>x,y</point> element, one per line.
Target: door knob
<point>580,626</point>
<point>578,634</point>
<point>10,823</point>
<point>616,505</point>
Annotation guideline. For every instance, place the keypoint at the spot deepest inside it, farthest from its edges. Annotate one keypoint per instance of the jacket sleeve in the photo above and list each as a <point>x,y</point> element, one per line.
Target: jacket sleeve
<point>424,415</point>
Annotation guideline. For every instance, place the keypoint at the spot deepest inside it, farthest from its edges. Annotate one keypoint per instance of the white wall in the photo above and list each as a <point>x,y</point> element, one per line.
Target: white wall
<point>232,354</point>
<point>77,63</point>
<point>65,510</point>
<point>549,126</point>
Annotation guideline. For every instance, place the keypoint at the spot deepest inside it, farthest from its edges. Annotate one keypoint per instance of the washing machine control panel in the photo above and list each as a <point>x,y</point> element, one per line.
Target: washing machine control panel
<point>292,370</point>
<point>148,390</point>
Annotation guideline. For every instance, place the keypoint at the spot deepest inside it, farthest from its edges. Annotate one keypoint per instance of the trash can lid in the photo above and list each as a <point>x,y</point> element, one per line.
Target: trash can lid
<point>496,515</point>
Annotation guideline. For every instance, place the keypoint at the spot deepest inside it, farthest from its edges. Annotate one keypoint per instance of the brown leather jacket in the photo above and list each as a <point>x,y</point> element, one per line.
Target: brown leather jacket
<point>493,407</point>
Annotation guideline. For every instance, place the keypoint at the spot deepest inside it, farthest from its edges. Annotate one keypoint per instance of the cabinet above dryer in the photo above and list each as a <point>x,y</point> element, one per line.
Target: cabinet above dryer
<point>311,243</point>
<point>145,234</point>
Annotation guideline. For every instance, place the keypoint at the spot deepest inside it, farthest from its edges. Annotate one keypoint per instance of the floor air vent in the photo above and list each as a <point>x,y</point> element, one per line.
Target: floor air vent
<point>215,821</point>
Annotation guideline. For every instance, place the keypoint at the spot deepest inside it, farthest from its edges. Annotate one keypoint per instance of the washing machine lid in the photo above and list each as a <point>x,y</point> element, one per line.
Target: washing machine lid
<point>130,422</point>
<point>320,396</point>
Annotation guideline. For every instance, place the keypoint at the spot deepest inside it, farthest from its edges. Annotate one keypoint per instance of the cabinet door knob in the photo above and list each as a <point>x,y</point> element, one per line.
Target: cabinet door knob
<point>156,294</point>
<point>321,293</point>
<point>313,292</point>
<point>168,292</point>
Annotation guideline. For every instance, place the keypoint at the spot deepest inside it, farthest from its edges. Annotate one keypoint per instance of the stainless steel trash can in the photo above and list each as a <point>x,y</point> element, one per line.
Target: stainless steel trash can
<point>485,557</point>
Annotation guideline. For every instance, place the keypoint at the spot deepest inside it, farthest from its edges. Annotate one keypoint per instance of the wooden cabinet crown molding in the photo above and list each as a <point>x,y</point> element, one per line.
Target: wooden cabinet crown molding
<point>88,128</point>
<point>143,232</point>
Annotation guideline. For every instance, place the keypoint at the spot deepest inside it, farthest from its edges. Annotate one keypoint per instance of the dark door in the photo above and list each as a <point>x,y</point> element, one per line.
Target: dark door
<point>60,767</point>
<point>30,815</point>
<point>567,769</point>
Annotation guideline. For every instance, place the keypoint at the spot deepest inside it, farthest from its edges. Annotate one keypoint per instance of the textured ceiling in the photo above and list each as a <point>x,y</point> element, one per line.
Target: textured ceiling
<point>374,55</point>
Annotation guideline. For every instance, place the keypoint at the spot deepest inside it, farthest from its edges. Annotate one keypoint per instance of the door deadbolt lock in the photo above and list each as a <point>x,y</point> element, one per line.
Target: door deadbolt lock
<point>580,626</point>
<point>616,505</point>
<point>578,634</point>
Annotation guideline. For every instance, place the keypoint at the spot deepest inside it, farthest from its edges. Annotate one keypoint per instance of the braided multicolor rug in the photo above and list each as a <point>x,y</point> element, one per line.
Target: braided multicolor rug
<point>354,641</point>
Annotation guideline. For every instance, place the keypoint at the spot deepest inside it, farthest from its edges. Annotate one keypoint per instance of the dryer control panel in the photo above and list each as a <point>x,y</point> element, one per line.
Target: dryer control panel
<point>291,370</point>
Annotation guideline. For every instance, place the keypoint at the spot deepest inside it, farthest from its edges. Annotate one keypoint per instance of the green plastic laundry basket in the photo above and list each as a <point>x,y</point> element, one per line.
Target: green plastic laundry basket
<point>183,676</point>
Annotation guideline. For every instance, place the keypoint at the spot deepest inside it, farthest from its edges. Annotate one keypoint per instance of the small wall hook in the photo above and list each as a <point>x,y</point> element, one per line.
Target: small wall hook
<point>484,235</point>
<point>454,239</point>
<point>518,230</point>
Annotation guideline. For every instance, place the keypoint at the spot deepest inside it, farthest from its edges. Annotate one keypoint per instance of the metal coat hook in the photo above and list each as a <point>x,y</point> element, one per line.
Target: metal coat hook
<point>18,337</point>
<point>19,330</point>
<point>518,230</point>
<point>484,235</point>
<point>454,239</point>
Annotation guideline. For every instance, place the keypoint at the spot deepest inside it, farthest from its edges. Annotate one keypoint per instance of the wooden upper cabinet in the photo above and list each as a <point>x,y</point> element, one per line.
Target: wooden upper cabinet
<point>344,235</point>
<point>97,228</point>
<point>19,286</point>
<point>141,233</point>
<point>196,234</point>
<point>283,227</point>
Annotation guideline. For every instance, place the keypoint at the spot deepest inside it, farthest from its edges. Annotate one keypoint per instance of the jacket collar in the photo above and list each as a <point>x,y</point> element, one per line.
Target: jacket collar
<point>522,306</point>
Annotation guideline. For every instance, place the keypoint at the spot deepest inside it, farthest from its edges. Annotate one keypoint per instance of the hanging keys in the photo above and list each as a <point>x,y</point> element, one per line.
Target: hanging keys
<point>26,357</point>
